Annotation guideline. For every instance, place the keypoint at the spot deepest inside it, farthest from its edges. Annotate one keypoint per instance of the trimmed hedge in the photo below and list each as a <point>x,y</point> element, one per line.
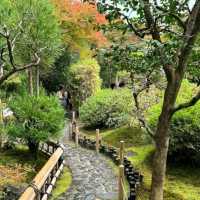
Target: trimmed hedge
<point>108,108</point>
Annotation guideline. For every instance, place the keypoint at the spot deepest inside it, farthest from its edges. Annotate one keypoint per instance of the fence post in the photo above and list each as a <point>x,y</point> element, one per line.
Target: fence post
<point>121,152</point>
<point>73,125</point>
<point>70,130</point>
<point>121,178</point>
<point>76,135</point>
<point>97,140</point>
<point>73,116</point>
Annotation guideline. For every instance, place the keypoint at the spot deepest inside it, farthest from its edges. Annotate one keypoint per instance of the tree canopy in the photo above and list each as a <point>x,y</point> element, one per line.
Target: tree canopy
<point>27,39</point>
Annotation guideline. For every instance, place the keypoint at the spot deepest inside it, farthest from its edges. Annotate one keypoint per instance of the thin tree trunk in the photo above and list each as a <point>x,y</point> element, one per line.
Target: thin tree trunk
<point>1,70</point>
<point>30,81</point>
<point>117,82</point>
<point>162,140</point>
<point>37,81</point>
<point>160,160</point>
<point>33,147</point>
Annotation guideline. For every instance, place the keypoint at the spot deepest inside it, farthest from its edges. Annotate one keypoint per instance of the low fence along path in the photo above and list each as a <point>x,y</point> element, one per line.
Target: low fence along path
<point>93,177</point>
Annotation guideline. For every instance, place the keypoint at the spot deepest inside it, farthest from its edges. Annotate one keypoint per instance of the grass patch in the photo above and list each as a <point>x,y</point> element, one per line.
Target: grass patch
<point>131,136</point>
<point>63,184</point>
<point>182,182</point>
<point>18,166</point>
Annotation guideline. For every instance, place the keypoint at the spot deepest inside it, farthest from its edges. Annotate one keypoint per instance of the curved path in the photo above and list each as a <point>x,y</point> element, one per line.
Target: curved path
<point>93,177</point>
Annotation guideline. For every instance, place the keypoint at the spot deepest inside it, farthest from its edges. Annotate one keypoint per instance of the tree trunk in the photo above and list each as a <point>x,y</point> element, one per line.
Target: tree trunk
<point>160,159</point>
<point>30,81</point>
<point>116,82</point>
<point>33,147</point>
<point>37,81</point>
<point>162,140</point>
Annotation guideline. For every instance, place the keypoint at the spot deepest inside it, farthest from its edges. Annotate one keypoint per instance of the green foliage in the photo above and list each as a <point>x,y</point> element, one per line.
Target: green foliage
<point>36,118</point>
<point>39,33</point>
<point>193,73</point>
<point>84,80</point>
<point>184,129</point>
<point>32,32</point>
<point>108,108</point>
<point>58,74</point>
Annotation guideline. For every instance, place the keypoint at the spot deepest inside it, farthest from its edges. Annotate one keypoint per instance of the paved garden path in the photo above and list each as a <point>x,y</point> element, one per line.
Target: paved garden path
<point>93,176</point>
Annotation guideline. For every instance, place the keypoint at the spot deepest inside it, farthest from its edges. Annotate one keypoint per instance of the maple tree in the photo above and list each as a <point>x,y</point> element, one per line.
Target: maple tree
<point>80,22</point>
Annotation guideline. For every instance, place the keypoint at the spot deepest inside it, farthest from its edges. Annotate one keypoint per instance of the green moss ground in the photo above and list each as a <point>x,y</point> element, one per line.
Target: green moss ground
<point>63,184</point>
<point>182,182</point>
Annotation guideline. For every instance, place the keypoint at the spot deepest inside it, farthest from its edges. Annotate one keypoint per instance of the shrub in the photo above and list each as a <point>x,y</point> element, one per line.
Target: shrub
<point>84,80</point>
<point>184,128</point>
<point>36,119</point>
<point>108,108</point>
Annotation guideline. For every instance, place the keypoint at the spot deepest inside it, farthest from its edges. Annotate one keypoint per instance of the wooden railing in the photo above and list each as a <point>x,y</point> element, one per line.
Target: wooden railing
<point>43,183</point>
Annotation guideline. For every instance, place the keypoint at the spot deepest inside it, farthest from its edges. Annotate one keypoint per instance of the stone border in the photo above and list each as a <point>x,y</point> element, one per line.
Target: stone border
<point>133,177</point>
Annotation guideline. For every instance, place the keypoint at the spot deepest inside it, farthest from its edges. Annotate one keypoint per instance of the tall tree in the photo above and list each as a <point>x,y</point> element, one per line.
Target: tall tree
<point>27,38</point>
<point>172,28</point>
<point>79,22</point>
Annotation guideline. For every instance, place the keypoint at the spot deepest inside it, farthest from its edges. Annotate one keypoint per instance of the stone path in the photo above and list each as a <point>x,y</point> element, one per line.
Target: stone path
<point>93,177</point>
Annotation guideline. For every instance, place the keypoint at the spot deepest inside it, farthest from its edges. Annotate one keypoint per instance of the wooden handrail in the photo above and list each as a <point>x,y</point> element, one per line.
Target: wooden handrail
<point>42,176</point>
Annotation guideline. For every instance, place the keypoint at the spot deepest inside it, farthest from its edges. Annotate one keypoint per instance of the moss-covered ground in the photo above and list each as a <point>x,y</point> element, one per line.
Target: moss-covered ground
<point>182,182</point>
<point>63,184</point>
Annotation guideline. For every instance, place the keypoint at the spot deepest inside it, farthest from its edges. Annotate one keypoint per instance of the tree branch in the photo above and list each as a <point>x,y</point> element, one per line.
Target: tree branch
<point>176,17</point>
<point>139,113</point>
<point>150,21</point>
<point>188,104</point>
<point>10,47</point>
<point>137,32</point>
<point>2,54</point>
<point>15,70</point>
<point>190,35</point>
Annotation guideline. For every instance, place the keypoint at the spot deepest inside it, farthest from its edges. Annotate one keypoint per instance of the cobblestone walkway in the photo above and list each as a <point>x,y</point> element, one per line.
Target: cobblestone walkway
<point>93,177</point>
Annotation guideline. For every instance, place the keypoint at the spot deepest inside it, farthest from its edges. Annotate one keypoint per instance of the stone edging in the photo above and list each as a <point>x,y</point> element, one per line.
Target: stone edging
<point>133,177</point>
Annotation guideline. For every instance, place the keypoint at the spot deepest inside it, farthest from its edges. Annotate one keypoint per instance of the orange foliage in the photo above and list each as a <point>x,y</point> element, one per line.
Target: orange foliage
<point>80,21</point>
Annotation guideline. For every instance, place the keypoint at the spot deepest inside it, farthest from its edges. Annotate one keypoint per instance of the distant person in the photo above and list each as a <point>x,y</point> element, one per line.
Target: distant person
<point>62,95</point>
<point>69,101</point>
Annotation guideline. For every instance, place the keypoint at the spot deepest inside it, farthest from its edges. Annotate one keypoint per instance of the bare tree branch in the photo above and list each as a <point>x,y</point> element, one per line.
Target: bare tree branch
<point>138,32</point>
<point>139,111</point>
<point>188,104</point>
<point>27,66</point>
<point>2,54</point>
<point>6,35</point>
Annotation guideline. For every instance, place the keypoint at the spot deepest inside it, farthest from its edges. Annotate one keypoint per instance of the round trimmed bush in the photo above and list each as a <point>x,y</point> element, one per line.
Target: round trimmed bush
<point>35,119</point>
<point>84,80</point>
<point>108,108</point>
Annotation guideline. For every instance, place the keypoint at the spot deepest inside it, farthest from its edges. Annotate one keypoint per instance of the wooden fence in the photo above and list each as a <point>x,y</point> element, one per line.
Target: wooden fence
<point>43,183</point>
<point>126,169</point>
